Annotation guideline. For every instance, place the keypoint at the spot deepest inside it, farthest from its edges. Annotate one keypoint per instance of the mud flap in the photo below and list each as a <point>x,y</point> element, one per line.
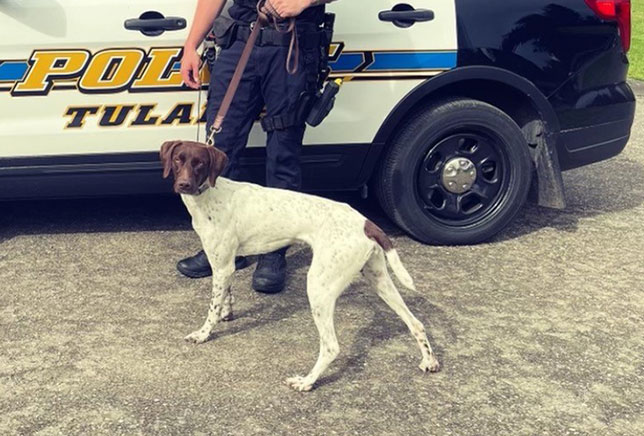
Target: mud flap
<point>547,186</point>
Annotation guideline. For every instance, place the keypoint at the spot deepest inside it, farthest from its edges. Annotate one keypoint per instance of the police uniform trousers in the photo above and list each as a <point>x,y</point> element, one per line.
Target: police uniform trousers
<point>265,83</point>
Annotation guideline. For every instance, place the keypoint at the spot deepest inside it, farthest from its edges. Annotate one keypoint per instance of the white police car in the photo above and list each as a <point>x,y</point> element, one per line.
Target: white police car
<point>450,110</point>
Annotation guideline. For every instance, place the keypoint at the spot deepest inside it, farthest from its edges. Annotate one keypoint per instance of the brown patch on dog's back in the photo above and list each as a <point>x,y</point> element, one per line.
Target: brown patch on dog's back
<point>377,234</point>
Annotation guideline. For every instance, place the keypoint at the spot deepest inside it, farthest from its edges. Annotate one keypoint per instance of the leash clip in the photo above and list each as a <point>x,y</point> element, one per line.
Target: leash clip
<point>211,135</point>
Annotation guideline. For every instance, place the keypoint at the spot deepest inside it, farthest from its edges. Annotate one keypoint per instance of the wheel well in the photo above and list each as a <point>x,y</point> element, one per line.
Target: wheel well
<point>512,101</point>
<point>506,98</point>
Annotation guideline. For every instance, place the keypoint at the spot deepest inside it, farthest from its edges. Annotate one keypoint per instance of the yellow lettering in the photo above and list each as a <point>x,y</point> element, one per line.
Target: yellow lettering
<point>46,66</point>
<point>159,71</point>
<point>111,70</point>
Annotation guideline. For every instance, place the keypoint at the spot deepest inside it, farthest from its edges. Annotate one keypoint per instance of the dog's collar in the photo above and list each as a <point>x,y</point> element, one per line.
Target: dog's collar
<point>203,188</point>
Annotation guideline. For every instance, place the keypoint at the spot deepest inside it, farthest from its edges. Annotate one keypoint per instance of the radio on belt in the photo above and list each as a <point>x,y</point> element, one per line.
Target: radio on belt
<point>324,103</point>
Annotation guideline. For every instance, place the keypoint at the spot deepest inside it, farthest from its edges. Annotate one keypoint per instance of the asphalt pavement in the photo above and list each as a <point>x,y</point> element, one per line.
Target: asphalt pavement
<point>540,331</point>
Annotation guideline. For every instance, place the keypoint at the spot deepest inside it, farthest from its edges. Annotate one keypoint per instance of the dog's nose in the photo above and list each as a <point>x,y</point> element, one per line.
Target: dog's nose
<point>184,186</point>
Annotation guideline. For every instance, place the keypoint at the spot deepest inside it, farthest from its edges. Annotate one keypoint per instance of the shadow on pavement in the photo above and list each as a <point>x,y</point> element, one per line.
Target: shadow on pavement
<point>126,214</point>
<point>111,214</point>
<point>610,186</point>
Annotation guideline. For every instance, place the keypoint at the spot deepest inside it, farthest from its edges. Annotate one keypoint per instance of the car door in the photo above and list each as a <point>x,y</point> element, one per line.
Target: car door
<point>382,60</point>
<point>75,81</point>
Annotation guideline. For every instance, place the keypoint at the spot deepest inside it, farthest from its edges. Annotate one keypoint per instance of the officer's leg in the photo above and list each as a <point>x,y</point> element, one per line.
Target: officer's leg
<point>281,93</point>
<point>244,110</point>
<point>233,137</point>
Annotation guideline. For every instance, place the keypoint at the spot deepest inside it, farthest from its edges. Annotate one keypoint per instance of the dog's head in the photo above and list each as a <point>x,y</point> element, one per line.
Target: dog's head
<point>191,163</point>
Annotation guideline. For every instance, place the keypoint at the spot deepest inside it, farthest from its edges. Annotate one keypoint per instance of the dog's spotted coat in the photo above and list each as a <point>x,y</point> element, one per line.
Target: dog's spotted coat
<point>239,219</point>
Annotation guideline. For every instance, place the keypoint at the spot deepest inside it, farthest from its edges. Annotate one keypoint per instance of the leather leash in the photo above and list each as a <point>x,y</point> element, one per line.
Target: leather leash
<point>293,51</point>
<point>264,10</point>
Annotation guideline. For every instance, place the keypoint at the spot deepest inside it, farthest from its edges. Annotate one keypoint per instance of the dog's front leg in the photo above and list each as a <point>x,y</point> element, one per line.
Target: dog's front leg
<point>220,304</point>
<point>227,308</point>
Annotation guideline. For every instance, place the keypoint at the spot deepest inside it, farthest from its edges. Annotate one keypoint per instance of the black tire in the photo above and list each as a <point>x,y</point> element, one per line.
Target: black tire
<point>412,182</point>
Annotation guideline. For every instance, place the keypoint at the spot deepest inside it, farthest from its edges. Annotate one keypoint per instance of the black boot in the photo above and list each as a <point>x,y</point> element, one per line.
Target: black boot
<point>270,274</point>
<point>197,266</point>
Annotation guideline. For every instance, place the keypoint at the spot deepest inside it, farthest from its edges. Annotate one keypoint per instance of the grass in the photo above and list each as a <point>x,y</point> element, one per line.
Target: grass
<point>636,55</point>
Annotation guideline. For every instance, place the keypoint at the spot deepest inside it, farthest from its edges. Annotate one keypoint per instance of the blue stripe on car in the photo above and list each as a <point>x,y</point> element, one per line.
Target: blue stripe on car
<point>347,62</point>
<point>405,61</point>
<point>13,70</point>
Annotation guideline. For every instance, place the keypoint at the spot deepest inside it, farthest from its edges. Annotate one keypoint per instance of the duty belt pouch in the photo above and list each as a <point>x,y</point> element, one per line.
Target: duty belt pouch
<point>224,30</point>
<point>323,103</point>
<point>316,107</point>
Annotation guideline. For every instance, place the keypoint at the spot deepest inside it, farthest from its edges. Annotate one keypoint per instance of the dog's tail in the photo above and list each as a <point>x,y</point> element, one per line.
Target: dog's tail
<point>399,270</point>
<point>375,233</point>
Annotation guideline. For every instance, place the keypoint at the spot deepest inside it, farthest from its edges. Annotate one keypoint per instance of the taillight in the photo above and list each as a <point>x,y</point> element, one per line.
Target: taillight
<point>615,10</point>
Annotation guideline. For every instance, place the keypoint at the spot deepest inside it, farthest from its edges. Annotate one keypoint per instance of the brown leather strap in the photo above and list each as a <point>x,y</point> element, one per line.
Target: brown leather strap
<point>292,58</point>
<point>239,72</point>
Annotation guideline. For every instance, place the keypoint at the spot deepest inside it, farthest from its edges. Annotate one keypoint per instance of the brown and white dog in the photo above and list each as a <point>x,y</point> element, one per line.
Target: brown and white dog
<point>240,219</point>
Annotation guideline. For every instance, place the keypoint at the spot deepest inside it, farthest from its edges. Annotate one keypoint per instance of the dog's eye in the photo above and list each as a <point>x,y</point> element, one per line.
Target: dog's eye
<point>197,163</point>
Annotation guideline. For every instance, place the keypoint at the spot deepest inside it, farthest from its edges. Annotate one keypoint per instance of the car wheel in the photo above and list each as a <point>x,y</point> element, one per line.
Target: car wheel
<point>456,173</point>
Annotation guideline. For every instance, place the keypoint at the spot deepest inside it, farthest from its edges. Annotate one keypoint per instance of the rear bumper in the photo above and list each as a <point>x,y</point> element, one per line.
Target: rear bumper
<point>586,145</point>
<point>595,133</point>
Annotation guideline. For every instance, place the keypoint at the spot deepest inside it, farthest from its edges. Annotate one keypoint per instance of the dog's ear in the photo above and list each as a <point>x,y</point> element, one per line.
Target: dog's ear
<point>218,161</point>
<point>167,149</point>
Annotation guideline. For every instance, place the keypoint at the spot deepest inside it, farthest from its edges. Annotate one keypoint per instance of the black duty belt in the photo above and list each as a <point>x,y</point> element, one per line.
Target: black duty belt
<point>309,36</point>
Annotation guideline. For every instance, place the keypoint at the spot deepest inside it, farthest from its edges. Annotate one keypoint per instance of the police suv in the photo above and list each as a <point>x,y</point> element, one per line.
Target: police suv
<point>450,112</point>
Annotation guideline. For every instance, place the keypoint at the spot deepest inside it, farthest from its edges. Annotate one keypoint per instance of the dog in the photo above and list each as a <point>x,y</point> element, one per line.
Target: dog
<point>240,219</point>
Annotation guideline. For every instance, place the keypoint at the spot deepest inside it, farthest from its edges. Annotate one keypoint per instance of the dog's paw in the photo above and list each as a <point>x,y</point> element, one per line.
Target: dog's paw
<point>299,384</point>
<point>198,337</point>
<point>431,364</point>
